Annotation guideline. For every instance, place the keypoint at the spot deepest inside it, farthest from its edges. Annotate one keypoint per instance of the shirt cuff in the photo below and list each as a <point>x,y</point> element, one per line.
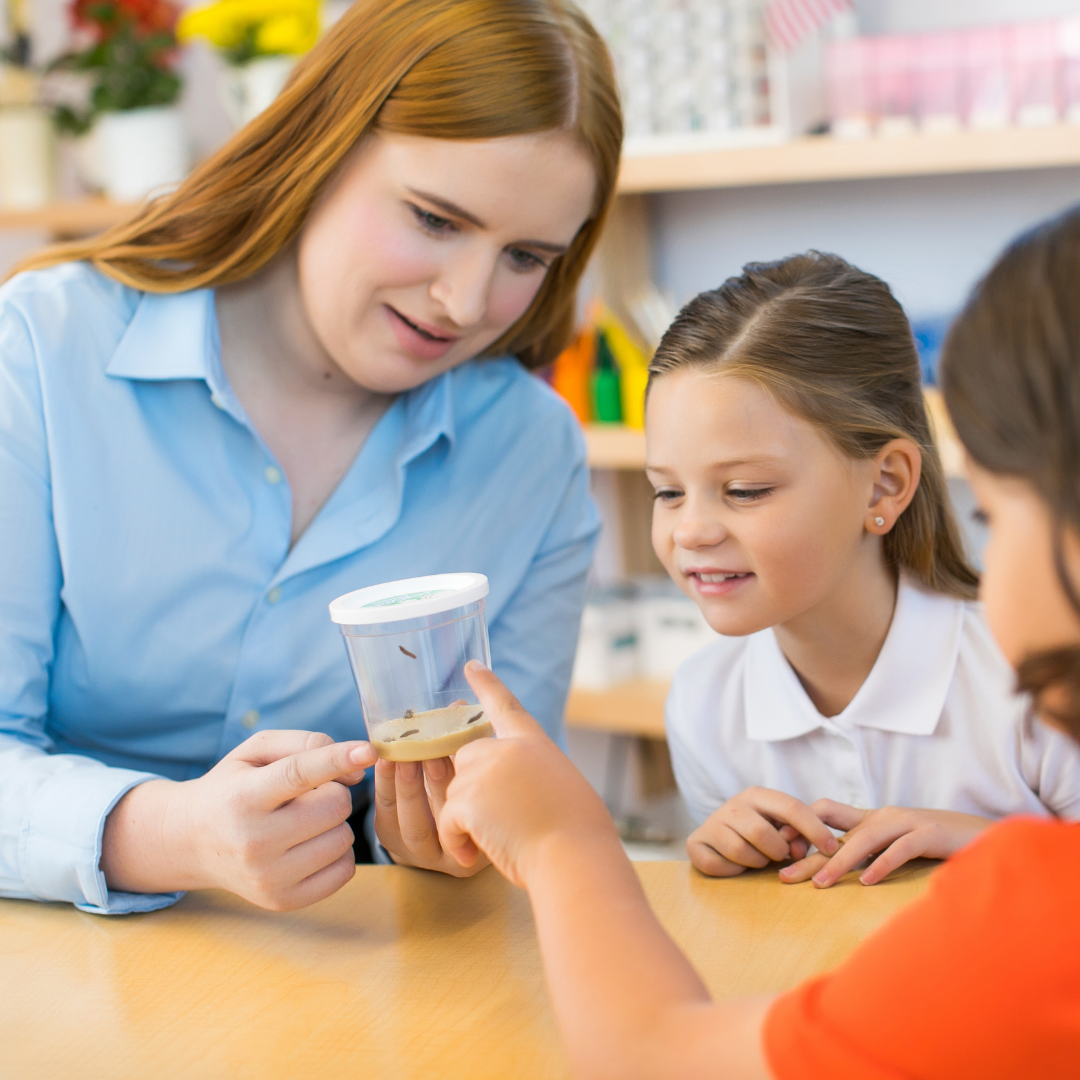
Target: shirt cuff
<point>60,845</point>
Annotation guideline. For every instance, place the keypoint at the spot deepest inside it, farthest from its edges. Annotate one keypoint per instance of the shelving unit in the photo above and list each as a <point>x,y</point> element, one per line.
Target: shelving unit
<point>63,220</point>
<point>631,708</point>
<point>615,446</point>
<point>820,158</point>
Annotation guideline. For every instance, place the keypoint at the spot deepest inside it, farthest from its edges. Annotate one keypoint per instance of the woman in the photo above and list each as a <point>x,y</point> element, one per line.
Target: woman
<point>292,378</point>
<point>980,977</point>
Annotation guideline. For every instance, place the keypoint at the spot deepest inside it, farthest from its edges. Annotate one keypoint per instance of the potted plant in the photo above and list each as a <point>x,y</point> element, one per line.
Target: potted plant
<point>259,40</point>
<point>128,56</point>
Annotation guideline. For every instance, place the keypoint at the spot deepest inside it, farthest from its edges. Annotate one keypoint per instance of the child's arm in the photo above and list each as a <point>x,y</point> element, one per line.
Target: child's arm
<point>754,828</point>
<point>628,1003</point>
<point>899,833</point>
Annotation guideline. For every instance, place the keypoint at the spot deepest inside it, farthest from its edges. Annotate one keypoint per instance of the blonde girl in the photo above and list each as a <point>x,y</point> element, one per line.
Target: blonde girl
<point>800,502</point>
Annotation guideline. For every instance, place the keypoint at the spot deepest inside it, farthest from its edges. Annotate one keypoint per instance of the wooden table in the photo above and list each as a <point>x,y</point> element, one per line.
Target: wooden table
<point>402,974</point>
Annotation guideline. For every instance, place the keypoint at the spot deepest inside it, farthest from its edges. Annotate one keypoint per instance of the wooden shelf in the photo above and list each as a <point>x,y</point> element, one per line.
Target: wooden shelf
<point>631,708</point>
<point>81,217</point>
<point>821,158</point>
<point>613,446</point>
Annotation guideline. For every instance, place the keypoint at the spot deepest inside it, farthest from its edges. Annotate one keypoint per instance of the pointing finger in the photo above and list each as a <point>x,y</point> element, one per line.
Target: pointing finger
<point>285,779</point>
<point>506,713</point>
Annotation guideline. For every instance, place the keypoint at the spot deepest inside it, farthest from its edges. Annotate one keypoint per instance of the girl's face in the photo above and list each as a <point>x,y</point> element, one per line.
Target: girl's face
<point>758,518</point>
<point>425,251</point>
<point>1026,606</point>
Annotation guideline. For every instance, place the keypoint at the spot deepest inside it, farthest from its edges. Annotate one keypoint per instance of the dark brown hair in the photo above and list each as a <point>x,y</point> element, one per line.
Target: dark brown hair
<point>447,69</point>
<point>1011,376</point>
<point>834,347</point>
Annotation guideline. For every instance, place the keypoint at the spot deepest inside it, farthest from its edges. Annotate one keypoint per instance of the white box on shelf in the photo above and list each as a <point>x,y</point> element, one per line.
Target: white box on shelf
<point>607,652</point>
<point>670,628</point>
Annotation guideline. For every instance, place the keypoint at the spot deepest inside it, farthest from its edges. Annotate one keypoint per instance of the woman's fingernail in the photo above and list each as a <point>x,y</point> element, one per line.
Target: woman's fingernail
<point>821,878</point>
<point>832,847</point>
<point>867,878</point>
<point>475,665</point>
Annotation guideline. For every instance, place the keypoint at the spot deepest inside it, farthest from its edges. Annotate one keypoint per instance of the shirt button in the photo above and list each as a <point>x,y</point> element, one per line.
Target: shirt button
<point>217,402</point>
<point>273,476</point>
<point>273,596</point>
<point>250,718</point>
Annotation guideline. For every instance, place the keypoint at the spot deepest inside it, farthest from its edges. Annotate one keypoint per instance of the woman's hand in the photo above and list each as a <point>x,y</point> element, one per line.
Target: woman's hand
<point>898,832</point>
<point>514,793</point>
<point>409,797</point>
<point>267,822</point>
<point>754,828</point>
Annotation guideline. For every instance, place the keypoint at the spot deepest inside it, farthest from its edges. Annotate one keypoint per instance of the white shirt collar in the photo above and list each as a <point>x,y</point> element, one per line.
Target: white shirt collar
<point>905,691</point>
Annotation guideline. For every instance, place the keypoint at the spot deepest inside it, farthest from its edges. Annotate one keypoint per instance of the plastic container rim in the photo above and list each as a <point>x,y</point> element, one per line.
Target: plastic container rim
<point>352,610</point>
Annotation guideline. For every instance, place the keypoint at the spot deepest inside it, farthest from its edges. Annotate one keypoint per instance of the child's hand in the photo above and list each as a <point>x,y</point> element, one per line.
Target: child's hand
<point>898,832</point>
<point>517,791</point>
<point>267,822</point>
<point>406,812</point>
<point>754,828</point>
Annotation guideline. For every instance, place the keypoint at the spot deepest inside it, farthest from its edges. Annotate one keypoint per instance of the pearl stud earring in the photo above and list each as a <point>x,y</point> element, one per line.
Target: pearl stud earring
<point>879,521</point>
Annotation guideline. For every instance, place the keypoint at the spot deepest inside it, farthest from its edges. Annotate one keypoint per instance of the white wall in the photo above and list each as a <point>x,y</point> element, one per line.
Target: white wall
<point>929,237</point>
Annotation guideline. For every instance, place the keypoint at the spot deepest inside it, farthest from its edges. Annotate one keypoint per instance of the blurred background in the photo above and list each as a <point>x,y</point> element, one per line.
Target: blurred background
<point>913,137</point>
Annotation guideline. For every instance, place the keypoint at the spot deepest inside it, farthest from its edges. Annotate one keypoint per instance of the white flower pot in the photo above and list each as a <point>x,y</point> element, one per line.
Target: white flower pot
<point>247,90</point>
<point>27,157</point>
<point>141,150</point>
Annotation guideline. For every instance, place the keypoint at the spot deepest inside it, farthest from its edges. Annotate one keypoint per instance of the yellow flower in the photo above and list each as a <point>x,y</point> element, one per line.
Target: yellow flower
<point>280,26</point>
<point>286,34</point>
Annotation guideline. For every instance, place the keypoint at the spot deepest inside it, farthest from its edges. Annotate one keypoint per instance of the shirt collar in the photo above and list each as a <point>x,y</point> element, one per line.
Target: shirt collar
<point>175,336</point>
<point>170,336</point>
<point>904,693</point>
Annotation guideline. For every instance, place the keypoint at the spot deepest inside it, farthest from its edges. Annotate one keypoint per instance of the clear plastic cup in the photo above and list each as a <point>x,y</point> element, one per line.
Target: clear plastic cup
<point>408,644</point>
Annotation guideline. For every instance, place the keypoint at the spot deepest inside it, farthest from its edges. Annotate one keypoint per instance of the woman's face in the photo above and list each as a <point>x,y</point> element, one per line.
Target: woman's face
<point>1026,607</point>
<point>425,251</point>
<point>757,517</point>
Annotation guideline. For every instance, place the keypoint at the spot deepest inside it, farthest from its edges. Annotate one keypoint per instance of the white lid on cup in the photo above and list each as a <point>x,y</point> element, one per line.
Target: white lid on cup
<point>411,598</point>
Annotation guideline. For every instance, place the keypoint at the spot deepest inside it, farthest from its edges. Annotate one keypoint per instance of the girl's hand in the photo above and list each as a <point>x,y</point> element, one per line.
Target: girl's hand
<point>514,793</point>
<point>267,822</point>
<point>754,828</point>
<point>407,809</point>
<point>898,832</point>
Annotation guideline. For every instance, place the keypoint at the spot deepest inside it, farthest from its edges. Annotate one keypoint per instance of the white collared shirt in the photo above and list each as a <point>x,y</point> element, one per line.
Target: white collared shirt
<point>936,724</point>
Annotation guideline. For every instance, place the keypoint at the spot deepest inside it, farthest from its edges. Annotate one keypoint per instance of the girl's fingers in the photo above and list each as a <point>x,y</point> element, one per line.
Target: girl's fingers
<point>506,713</point>
<point>838,815</point>
<point>756,831</point>
<point>892,858</point>
<point>804,869</point>
<point>787,810</point>
<point>709,861</point>
<point>859,844</point>
<point>731,844</point>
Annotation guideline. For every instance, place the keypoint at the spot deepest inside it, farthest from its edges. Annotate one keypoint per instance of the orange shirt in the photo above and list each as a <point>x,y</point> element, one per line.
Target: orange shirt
<point>980,978</point>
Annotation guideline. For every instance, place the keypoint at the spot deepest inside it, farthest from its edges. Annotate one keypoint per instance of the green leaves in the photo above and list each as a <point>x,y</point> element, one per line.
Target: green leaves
<point>131,70</point>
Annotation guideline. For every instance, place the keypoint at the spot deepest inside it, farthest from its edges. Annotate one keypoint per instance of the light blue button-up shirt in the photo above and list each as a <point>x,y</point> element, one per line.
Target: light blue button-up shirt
<point>152,613</point>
